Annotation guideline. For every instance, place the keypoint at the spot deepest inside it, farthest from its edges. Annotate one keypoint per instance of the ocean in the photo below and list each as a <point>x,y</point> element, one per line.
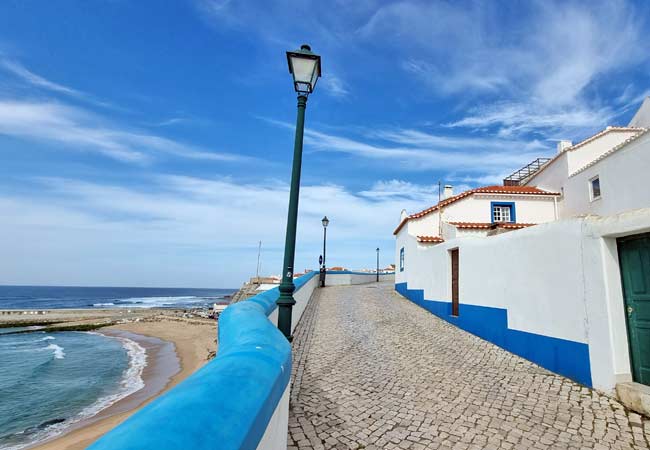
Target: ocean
<point>62,297</point>
<point>51,380</point>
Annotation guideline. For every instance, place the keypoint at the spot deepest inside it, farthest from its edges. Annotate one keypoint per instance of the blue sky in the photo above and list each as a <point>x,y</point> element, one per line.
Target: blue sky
<point>149,143</point>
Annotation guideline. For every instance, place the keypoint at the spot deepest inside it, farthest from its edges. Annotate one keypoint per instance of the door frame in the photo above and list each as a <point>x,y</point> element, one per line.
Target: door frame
<point>619,240</point>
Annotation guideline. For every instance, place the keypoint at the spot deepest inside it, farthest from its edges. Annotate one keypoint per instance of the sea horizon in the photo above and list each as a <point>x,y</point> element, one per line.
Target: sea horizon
<point>34,297</point>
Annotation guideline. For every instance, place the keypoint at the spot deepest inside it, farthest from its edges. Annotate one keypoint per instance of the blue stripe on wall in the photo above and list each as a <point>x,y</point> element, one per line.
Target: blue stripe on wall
<point>568,358</point>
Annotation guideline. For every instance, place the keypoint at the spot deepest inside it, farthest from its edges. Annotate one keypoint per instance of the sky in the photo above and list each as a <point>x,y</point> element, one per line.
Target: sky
<point>148,143</point>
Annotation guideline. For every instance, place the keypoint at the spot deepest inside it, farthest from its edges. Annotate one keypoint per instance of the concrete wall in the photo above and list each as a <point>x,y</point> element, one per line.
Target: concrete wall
<point>550,293</point>
<point>349,278</point>
<point>623,182</point>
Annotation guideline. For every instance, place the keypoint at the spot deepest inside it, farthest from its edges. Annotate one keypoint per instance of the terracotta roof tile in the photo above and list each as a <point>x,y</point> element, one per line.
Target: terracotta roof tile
<point>526,190</point>
<point>487,225</point>
<point>430,239</point>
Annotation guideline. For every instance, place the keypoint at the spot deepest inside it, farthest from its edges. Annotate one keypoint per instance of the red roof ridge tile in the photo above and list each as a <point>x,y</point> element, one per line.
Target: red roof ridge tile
<point>430,239</point>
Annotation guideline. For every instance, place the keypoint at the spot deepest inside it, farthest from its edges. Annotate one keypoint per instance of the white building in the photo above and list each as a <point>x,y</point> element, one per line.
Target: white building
<point>571,293</point>
<point>480,212</point>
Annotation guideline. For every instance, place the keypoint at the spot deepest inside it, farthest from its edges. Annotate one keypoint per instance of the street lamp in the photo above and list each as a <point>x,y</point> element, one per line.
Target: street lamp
<point>323,268</point>
<point>304,66</point>
<point>377,264</point>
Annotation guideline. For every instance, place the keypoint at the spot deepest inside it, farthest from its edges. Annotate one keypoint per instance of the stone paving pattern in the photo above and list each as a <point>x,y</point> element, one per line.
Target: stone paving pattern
<point>374,371</point>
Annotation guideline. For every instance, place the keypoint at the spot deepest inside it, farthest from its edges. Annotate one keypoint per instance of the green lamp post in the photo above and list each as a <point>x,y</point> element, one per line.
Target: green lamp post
<point>304,66</point>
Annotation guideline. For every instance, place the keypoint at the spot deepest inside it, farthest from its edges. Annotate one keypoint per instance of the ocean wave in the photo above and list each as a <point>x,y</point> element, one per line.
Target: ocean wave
<point>131,382</point>
<point>100,305</point>
<point>47,338</point>
<point>153,302</point>
<point>57,351</point>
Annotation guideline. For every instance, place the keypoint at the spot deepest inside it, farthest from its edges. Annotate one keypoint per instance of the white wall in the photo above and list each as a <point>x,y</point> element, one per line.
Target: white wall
<point>587,153</point>
<point>553,176</point>
<point>275,436</point>
<point>623,182</point>
<point>301,296</point>
<point>423,226</point>
<point>346,279</point>
<point>477,208</point>
<point>559,279</point>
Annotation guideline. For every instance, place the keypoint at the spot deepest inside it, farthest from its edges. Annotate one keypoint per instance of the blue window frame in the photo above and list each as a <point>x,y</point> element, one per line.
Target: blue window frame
<point>503,212</point>
<point>401,260</point>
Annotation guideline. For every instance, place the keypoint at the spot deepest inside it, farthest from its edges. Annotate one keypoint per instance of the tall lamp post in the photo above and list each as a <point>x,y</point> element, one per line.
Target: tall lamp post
<point>377,264</point>
<point>304,66</point>
<point>325,222</point>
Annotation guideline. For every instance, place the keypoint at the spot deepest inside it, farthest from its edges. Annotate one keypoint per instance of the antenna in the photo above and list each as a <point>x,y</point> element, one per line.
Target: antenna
<point>259,251</point>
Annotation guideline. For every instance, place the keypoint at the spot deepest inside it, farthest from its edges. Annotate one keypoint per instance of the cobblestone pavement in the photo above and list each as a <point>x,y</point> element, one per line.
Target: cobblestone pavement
<point>373,370</point>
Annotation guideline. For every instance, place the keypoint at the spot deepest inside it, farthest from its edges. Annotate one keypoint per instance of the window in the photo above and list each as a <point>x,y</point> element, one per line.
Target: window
<point>594,185</point>
<point>401,260</point>
<point>503,212</point>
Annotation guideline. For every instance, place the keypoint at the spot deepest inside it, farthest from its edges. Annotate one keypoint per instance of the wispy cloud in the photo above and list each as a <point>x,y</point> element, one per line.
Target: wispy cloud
<point>21,72</point>
<point>178,225</point>
<point>532,76</point>
<point>420,151</point>
<point>334,86</point>
<point>81,130</point>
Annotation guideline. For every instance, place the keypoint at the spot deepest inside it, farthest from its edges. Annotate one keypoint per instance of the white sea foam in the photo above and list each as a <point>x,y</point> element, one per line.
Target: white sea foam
<point>58,351</point>
<point>153,302</point>
<point>99,305</point>
<point>131,382</point>
<point>47,338</point>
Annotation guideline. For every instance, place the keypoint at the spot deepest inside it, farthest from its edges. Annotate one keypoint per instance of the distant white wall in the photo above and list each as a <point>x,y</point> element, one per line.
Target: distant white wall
<point>623,179</point>
<point>345,279</point>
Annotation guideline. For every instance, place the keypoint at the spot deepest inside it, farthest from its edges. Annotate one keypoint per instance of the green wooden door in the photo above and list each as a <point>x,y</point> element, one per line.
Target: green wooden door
<point>634,256</point>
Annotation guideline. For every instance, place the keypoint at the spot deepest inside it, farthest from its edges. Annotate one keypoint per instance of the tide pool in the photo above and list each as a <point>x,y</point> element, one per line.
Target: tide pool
<point>49,381</point>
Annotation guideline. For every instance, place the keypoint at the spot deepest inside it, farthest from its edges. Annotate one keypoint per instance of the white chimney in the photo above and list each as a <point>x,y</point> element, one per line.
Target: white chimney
<point>448,192</point>
<point>563,145</point>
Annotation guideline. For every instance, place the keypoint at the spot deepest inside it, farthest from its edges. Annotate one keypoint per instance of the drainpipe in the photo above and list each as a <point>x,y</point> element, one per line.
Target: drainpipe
<point>555,206</point>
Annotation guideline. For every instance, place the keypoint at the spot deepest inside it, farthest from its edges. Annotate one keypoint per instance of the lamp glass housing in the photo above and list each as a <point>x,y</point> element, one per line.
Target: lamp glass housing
<point>304,66</point>
<point>325,221</point>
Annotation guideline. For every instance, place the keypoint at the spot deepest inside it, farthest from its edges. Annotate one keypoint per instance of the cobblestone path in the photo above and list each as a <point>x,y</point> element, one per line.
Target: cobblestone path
<point>373,370</point>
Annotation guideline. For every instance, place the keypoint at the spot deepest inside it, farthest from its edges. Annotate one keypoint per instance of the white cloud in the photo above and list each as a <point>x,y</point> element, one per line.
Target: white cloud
<point>531,76</point>
<point>186,230</point>
<point>84,131</point>
<point>402,189</point>
<point>20,71</point>
<point>420,151</point>
<point>334,86</point>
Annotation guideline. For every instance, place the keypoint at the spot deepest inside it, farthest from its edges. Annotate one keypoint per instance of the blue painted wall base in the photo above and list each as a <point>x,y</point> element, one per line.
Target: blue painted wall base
<point>568,358</point>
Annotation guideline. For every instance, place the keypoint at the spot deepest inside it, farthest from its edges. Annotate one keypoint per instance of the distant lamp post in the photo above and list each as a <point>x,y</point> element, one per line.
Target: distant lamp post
<point>377,264</point>
<point>323,268</point>
<point>304,66</point>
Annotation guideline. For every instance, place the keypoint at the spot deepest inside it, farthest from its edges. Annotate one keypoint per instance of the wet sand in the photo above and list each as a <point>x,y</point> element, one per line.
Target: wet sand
<point>175,347</point>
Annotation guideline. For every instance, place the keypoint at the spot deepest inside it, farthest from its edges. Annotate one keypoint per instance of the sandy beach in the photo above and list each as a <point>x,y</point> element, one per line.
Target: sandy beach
<point>175,346</point>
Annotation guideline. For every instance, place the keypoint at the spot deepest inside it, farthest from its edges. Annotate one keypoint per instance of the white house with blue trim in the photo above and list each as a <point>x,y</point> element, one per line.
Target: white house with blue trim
<point>553,266</point>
